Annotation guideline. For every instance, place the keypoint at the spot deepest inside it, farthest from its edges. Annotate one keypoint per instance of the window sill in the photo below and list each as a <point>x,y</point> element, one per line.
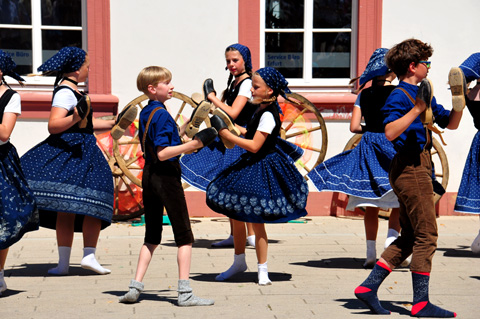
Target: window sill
<point>332,106</point>
<point>37,105</point>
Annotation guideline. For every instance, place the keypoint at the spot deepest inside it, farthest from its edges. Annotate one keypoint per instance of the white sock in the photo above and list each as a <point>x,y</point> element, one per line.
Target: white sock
<point>251,240</point>
<point>406,262</point>
<point>476,245</point>
<point>263,279</point>
<point>224,243</point>
<point>391,236</point>
<point>63,261</point>
<point>3,284</point>
<point>239,265</point>
<point>371,254</point>
<point>90,262</point>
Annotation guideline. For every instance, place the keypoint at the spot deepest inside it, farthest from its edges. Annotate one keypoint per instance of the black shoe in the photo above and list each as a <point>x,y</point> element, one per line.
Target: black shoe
<point>217,123</point>
<point>208,88</point>
<point>207,135</point>
<point>425,93</point>
<point>230,125</point>
<point>83,108</point>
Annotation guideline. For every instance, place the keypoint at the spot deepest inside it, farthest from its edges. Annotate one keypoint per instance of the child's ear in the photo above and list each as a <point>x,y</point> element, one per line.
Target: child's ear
<point>151,89</point>
<point>270,91</point>
<point>412,67</point>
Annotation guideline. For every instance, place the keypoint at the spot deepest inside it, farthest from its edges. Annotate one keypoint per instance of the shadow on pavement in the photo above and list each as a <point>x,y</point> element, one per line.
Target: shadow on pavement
<point>246,277</point>
<point>393,306</point>
<point>41,270</point>
<point>151,295</point>
<point>461,251</point>
<point>207,243</point>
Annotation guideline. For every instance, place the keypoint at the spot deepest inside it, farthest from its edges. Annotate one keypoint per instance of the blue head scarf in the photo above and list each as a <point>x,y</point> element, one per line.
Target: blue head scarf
<point>376,66</point>
<point>276,82</point>
<point>7,65</point>
<point>68,59</point>
<point>245,52</point>
<point>471,67</point>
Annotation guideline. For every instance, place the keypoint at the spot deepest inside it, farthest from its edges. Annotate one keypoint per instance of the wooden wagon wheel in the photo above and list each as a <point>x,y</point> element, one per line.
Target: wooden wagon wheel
<point>439,159</point>
<point>127,163</point>
<point>304,126</point>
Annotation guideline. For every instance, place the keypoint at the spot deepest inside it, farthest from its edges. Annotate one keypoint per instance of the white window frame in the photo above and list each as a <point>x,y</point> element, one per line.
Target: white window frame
<point>308,82</point>
<point>41,82</point>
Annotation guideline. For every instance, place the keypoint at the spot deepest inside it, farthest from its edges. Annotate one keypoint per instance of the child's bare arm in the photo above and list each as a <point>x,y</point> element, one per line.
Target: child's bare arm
<point>60,122</point>
<point>454,120</point>
<point>99,124</point>
<point>7,125</point>
<point>252,146</point>
<point>355,122</point>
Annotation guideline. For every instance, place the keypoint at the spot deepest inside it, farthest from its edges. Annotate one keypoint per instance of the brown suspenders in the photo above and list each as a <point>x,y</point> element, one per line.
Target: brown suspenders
<point>428,122</point>
<point>152,152</point>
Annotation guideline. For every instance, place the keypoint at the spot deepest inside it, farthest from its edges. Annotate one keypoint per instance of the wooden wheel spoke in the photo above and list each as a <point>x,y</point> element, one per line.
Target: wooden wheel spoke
<point>302,132</point>
<point>130,142</point>
<point>293,121</point>
<point>132,161</point>
<point>180,110</point>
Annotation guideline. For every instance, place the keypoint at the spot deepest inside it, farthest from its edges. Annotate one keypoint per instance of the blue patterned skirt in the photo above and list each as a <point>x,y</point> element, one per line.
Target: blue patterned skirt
<point>200,168</point>
<point>259,189</point>
<point>361,172</point>
<point>68,173</point>
<point>468,197</point>
<point>18,210</point>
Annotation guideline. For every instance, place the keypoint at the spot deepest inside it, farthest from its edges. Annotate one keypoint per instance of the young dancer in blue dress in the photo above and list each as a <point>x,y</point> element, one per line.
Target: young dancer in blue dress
<point>468,197</point>
<point>67,172</point>
<point>18,209</point>
<point>198,169</point>
<point>263,185</point>
<point>362,173</point>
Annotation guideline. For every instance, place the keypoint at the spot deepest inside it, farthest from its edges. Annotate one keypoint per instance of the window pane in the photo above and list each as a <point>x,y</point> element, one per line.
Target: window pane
<point>16,12</point>
<point>284,14</point>
<point>331,55</point>
<point>54,40</point>
<point>284,51</point>
<point>62,12</point>
<point>18,42</point>
<point>332,14</point>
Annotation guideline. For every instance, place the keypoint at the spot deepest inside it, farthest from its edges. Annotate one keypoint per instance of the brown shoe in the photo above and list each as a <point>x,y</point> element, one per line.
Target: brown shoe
<point>124,119</point>
<point>198,116</point>
<point>458,87</point>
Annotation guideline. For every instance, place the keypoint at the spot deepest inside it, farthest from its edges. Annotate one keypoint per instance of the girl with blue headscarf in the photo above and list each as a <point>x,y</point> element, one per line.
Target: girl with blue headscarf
<point>263,185</point>
<point>18,209</point>
<point>200,168</point>
<point>362,173</point>
<point>67,172</point>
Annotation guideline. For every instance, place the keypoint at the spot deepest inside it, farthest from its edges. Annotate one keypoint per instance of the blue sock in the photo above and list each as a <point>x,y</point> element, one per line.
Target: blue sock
<point>367,291</point>
<point>422,307</point>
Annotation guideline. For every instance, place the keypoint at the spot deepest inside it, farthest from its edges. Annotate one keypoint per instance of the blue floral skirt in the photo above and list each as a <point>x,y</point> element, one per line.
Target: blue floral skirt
<point>68,173</point>
<point>18,209</point>
<point>259,189</point>
<point>200,168</point>
<point>468,197</point>
<point>361,172</point>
